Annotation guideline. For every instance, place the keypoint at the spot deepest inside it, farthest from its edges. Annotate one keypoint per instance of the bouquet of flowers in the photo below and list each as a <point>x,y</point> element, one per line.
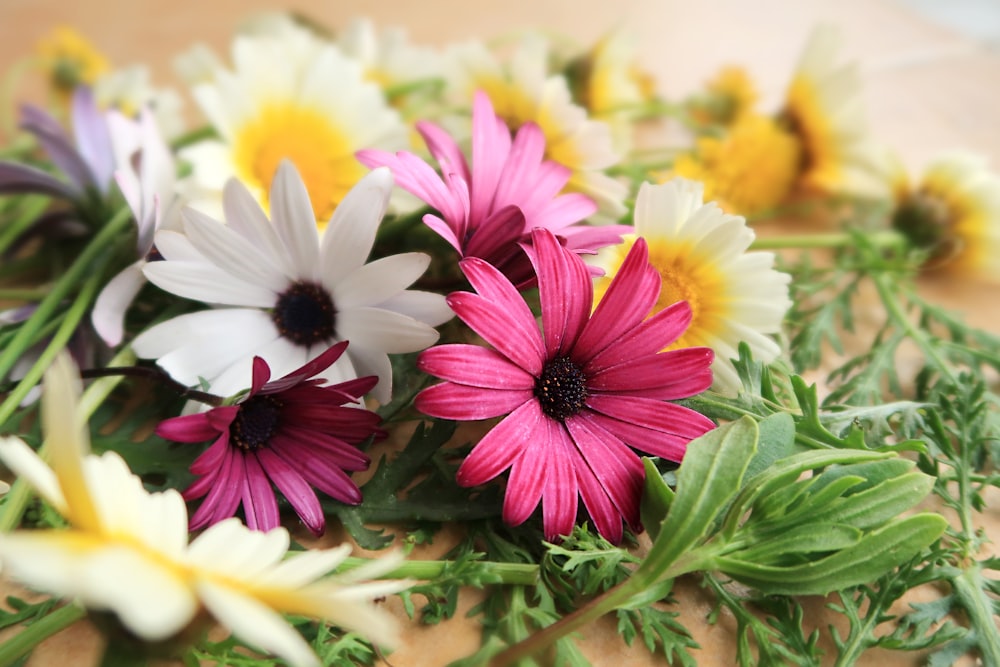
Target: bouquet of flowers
<point>440,309</point>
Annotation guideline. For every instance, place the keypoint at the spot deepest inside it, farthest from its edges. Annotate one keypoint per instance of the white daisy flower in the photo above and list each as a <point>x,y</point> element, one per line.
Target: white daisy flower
<point>290,95</point>
<point>824,108</point>
<point>129,89</point>
<point>701,253</point>
<point>126,550</point>
<point>387,56</point>
<point>290,292</point>
<point>522,91</point>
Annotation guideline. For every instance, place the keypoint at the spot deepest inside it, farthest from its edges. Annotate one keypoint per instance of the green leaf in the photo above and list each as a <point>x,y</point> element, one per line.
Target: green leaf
<point>806,539</point>
<point>869,558</point>
<point>657,497</point>
<point>707,481</point>
<point>776,440</point>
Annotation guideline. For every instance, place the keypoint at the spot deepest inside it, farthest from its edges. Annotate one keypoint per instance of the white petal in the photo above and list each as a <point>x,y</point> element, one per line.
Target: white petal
<point>244,214</point>
<point>207,283</point>
<point>26,464</point>
<point>427,307</point>
<point>304,567</point>
<point>226,249</point>
<point>350,235</point>
<point>372,362</point>
<point>231,549</point>
<point>377,329</point>
<point>380,280</point>
<point>256,623</point>
<point>108,316</point>
<point>295,221</point>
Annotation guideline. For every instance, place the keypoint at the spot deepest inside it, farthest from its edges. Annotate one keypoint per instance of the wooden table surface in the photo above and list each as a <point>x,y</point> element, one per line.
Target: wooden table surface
<point>928,89</point>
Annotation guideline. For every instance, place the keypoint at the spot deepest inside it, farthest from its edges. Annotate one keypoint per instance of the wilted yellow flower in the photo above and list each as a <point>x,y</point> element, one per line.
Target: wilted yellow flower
<point>749,170</point>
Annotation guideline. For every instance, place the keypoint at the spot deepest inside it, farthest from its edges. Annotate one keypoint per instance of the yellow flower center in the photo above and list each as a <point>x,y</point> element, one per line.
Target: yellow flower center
<point>750,170</point>
<point>70,59</point>
<point>728,96</point>
<point>685,276</point>
<point>321,151</point>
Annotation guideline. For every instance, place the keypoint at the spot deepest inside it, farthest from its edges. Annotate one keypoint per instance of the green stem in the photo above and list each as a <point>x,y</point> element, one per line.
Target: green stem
<point>881,239</point>
<point>510,574</point>
<point>33,635</point>
<point>32,206</point>
<point>83,265</point>
<point>23,294</point>
<point>979,607</point>
<point>193,137</point>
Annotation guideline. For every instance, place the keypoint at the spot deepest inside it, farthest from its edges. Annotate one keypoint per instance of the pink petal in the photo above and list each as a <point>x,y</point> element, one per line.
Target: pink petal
<point>565,210</point>
<point>649,337</point>
<point>212,459</point>
<point>309,369</point>
<point>261,374</point>
<point>224,496</point>
<point>616,467</point>
<point>460,402</point>
<point>444,230</point>
<point>221,418</point>
<point>565,291</point>
<point>665,376</point>
<point>318,470</point>
<point>443,148</point>
<point>496,451</point>
<point>496,235</point>
<point>474,366</point>
<point>346,456</point>
<point>526,482</point>
<point>291,484</point>
<point>490,146</point>
<point>189,428</point>
<point>607,520</point>
<point>561,490</point>
<point>520,180</point>
<point>259,504</point>
<point>630,296</point>
<point>657,427</point>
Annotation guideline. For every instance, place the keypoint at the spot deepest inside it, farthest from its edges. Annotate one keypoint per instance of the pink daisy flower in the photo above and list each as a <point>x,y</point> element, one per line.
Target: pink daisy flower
<point>488,210</point>
<point>579,394</point>
<point>293,432</point>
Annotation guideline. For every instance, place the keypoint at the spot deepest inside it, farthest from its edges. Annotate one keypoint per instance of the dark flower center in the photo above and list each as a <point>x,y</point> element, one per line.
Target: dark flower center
<point>255,423</point>
<point>924,219</point>
<point>561,389</point>
<point>305,314</point>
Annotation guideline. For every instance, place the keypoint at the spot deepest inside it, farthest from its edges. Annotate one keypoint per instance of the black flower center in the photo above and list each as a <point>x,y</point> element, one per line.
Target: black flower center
<point>924,219</point>
<point>305,314</point>
<point>255,423</point>
<point>561,389</point>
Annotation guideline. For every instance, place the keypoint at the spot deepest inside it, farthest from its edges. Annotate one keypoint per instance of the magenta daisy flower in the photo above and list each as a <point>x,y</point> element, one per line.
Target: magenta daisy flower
<point>295,432</point>
<point>578,395</point>
<point>489,210</point>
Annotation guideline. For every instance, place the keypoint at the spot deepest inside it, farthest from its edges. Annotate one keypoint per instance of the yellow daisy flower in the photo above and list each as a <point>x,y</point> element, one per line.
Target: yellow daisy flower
<point>824,109</point>
<point>522,91</point>
<point>290,95</point>
<point>954,212</point>
<point>126,550</point>
<point>749,170</point>
<point>701,254</point>
<point>70,59</point>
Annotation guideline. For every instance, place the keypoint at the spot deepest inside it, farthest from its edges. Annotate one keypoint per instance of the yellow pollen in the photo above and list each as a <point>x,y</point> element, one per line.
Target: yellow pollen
<point>321,151</point>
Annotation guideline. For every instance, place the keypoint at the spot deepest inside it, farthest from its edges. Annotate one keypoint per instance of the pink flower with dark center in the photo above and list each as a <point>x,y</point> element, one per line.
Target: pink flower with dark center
<point>489,209</point>
<point>578,394</point>
<point>295,433</point>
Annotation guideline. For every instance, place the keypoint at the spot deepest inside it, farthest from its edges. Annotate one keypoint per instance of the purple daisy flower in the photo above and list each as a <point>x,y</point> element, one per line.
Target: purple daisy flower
<point>295,432</point>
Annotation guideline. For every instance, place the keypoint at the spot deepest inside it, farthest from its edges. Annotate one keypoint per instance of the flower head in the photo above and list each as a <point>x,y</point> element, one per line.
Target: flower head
<point>750,169</point>
<point>524,92</point>
<point>728,96</point>
<point>70,59</point>
<point>578,395</point>
<point>126,550</point>
<point>291,96</point>
<point>490,209</point>
<point>824,109</point>
<point>701,256</point>
<point>289,293</point>
<point>294,433</point>
<point>954,213</point>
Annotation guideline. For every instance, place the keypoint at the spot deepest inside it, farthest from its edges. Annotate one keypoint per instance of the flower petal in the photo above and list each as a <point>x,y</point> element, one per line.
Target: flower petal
<point>513,437</point>
<point>455,401</point>
<point>474,366</point>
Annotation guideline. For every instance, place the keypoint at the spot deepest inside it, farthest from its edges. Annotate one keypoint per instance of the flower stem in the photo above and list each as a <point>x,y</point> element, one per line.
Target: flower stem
<point>154,374</point>
<point>882,239</point>
<point>95,251</point>
<point>33,635</point>
<point>510,574</point>
<point>968,587</point>
<point>32,206</point>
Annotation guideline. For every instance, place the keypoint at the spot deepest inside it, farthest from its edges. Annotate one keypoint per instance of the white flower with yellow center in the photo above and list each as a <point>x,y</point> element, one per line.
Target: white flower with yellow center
<point>522,91</point>
<point>701,253</point>
<point>290,96</point>
<point>953,212</point>
<point>824,108</point>
<point>126,550</point>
